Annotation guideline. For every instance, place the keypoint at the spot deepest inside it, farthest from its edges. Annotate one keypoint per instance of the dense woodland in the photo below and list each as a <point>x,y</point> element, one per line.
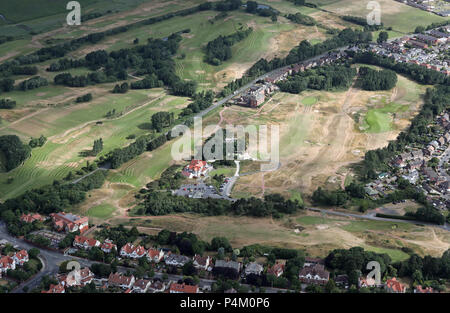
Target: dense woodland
<point>370,79</point>
<point>328,77</point>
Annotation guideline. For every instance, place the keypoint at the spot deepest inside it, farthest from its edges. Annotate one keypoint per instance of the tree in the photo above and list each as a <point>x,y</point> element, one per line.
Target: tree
<point>98,146</point>
<point>14,151</point>
<point>33,253</point>
<point>218,242</point>
<point>383,37</point>
<point>417,277</point>
<point>189,269</point>
<point>252,6</point>
<point>419,29</point>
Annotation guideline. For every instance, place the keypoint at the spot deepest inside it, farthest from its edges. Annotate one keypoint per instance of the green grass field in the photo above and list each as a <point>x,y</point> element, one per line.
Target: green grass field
<point>401,17</point>
<point>102,211</point>
<point>309,100</point>
<point>395,254</point>
<point>61,153</point>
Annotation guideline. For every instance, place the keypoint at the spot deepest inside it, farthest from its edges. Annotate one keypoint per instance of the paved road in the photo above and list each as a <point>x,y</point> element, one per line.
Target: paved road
<point>372,216</point>
<point>89,174</point>
<point>52,259</point>
<point>229,185</point>
<point>442,171</point>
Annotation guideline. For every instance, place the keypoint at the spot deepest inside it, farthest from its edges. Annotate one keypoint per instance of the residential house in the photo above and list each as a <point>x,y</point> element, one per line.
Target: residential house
<point>176,260</point>
<point>415,164</point>
<point>237,266</point>
<point>418,44</point>
<point>366,282</point>
<point>55,289</point>
<point>157,286</point>
<point>431,174</point>
<point>429,150</point>
<point>31,217</point>
<point>419,289</point>
<point>196,169</point>
<point>86,276</point>
<point>435,144</point>
<point>394,286</point>
<point>155,255</point>
<point>69,222</point>
<point>120,280</point>
<point>427,39</point>
<point>85,242</point>
<point>130,251</point>
<point>277,269</point>
<point>7,263</point>
<point>202,262</point>
<point>315,274</point>
<point>108,246</point>
<point>141,285</point>
<point>313,261</point>
<point>417,154</point>
<point>21,257</point>
<point>253,268</point>
<point>182,288</point>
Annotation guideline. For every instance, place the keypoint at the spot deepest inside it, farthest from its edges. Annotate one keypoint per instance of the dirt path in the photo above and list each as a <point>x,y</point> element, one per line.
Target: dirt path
<point>24,118</point>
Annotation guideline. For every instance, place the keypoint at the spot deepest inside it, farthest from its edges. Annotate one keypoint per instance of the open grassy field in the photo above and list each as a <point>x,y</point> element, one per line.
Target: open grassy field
<point>320,135</point>
<point>72,129</point>
<point>323,133</point>
<point>267,40</point>
<point>401,17</point>
<point>314,233</point>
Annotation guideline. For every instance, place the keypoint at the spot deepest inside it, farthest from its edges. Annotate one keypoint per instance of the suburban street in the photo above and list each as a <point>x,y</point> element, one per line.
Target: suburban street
<point>52,260</point>
<point>442,171</point>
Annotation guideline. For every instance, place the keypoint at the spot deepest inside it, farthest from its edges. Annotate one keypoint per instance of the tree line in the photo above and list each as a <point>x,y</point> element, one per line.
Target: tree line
<point>47,199</point>
<point>163,203</point>
<point>298,54</point>
<point>219,49</point>
<point>328,77</point>
<point>416,72</point>
<point>370,79</point>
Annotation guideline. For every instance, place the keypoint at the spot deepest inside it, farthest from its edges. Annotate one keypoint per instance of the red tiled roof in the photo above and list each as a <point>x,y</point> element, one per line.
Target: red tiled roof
<point>183,288</point>
<point>22,254</point>
<point>201,260</point>
<point>91,242</point>
<point>55,289</point>
<point>119,279</point>
<point>153,253</point>
<point>276,269</point>
<point>108,245</point>
<point>419,289</point>
<point>30,218</point>
<point>395,285</point>
<point>6,261</point>
<point>141,283</point>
